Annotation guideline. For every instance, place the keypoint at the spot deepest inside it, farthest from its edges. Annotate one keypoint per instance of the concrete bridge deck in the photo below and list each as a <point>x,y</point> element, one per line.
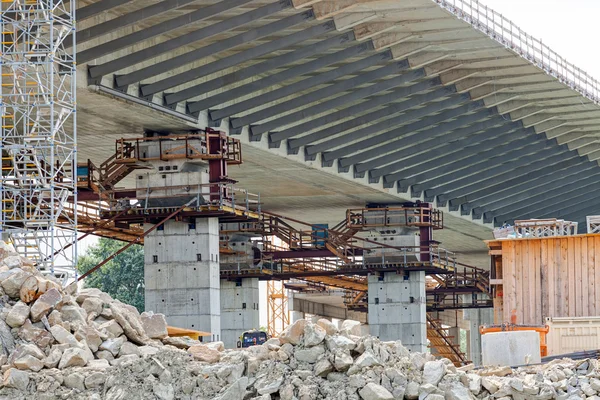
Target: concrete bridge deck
<point>351,101</point>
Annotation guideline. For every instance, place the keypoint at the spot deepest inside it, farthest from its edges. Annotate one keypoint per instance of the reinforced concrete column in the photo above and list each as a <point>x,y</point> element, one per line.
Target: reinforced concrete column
<point>181,274</point>
<point>239,309</point>
<point>397,308</point>
<point>477,317</point>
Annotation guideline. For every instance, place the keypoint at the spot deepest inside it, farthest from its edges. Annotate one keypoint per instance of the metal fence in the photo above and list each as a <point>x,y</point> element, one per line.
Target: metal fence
<point>505,32</point>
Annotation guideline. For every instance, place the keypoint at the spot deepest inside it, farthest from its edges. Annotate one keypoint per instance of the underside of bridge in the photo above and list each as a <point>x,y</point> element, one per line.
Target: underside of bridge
<point>340,103</point>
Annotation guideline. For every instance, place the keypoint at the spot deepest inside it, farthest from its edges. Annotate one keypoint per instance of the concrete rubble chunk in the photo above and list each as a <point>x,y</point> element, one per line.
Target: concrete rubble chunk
<point>163,391</point>
<point>474,383</point>
<point>130,322</point>
<point>236,390</point>
<point>112,328</point>
<point>342,360</point>
<point>12,283</point>
<point>204,353</point>
<point>180,342</point>
<point>62,336</point>
<point>73,357</point>
<point>6,339</point>
<point>367,359</point>
<point>34,286</point>
<point>351,327</point>
<point>53,358</point>
<point>113,345</point>
<point>54,318</point>
<point>129,348</point>
<point>339,342</point>
<point>323,367</point>
<point>293,333</point>
<point>313,335</point>
<point>100,365</point>
<point>14,378</point>
<point>329,326</point>
<point>433,372</point>
<point>30,349</point>
<point>75,380</point>
<point>155,325</point>
<point>218,346</point>
<point>456,391</point>
<point>92,305</point>
<point>310,355</point>
<point>73,314</point>
<point>17,315</point>
<point>30,333</point>
<point>95,380</point>
<point>268,386</point>
<point>372,391</point>
<point>28,362</point>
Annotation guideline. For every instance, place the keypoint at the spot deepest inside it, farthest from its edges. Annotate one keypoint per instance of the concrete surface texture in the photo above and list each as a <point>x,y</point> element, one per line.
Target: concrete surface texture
<point>511,348</point>
<point>397,308</point>
<point>181,274</point>
<point>340,103</point>
<point>239,309</point>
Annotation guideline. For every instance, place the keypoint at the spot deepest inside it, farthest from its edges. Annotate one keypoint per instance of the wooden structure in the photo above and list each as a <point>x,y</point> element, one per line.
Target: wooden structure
<point>545,277</point>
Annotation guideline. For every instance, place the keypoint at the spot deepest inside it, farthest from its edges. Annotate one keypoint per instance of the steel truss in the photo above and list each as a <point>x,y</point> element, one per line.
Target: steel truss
<point>38,135</point>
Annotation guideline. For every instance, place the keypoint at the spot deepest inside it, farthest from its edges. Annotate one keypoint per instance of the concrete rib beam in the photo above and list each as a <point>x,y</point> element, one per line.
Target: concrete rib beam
<point>350,20</point>
<point>365,31</point>
<point>586,148</point>
<point>405,50</point>
<point>523,113</point>
<point>563,130</point>
<point>451,77</point>
<point>573,137</point>
<point>495,99</point>
<point>469,84</point>
<point>512,106</point>
<point>386,40</point>
<point>328,9</point>
<point>548,125</point>
<point>435,68</point>
<point>538,119</point>
<point>595,156</point>
<point>430,58</point>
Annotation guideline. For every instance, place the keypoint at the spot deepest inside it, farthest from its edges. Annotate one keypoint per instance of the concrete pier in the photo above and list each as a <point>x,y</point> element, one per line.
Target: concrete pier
<point>239,309</point>
<point>397,308</point>
<point>182,274</point>
<point>476,318</point>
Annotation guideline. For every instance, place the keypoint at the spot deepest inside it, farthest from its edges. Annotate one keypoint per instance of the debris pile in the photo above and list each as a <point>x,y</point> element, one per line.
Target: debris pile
<point>67,344</point>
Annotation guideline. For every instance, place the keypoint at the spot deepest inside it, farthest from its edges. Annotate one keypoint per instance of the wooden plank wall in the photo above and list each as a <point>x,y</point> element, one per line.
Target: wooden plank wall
<point>551,277</point>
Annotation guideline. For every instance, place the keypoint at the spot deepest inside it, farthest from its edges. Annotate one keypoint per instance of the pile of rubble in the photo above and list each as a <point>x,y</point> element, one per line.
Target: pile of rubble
<point>67,344</point>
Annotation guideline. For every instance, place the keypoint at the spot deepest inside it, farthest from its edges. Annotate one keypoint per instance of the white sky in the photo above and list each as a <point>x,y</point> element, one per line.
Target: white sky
<point>566,26</point>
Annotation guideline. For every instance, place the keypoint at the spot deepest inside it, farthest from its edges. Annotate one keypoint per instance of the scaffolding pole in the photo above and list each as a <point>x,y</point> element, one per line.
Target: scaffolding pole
<point>38,135</point>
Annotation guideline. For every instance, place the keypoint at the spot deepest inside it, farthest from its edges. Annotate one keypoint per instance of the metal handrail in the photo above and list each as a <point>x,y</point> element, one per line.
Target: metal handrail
<point>507,33</point>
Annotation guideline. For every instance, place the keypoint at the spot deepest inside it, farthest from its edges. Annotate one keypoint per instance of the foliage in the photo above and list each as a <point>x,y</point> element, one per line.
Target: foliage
<point>122,277</point>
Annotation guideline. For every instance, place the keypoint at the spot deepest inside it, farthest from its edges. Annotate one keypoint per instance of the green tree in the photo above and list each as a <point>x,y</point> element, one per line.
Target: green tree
<point>122,277</point>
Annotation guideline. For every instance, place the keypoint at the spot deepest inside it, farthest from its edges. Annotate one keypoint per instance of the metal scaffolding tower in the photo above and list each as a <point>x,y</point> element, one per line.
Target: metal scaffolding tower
<point>38,136</point>
<point>278,316</point>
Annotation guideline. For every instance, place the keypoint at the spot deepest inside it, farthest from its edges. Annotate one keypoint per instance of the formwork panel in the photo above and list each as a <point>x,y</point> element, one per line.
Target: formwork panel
<point>547,277</point>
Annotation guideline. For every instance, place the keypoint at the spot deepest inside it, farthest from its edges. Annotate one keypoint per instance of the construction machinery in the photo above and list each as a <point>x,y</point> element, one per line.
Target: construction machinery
<point>252,338</point>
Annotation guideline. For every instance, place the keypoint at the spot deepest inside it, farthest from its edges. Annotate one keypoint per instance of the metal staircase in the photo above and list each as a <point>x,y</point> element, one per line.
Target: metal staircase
<point>440,339</point>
